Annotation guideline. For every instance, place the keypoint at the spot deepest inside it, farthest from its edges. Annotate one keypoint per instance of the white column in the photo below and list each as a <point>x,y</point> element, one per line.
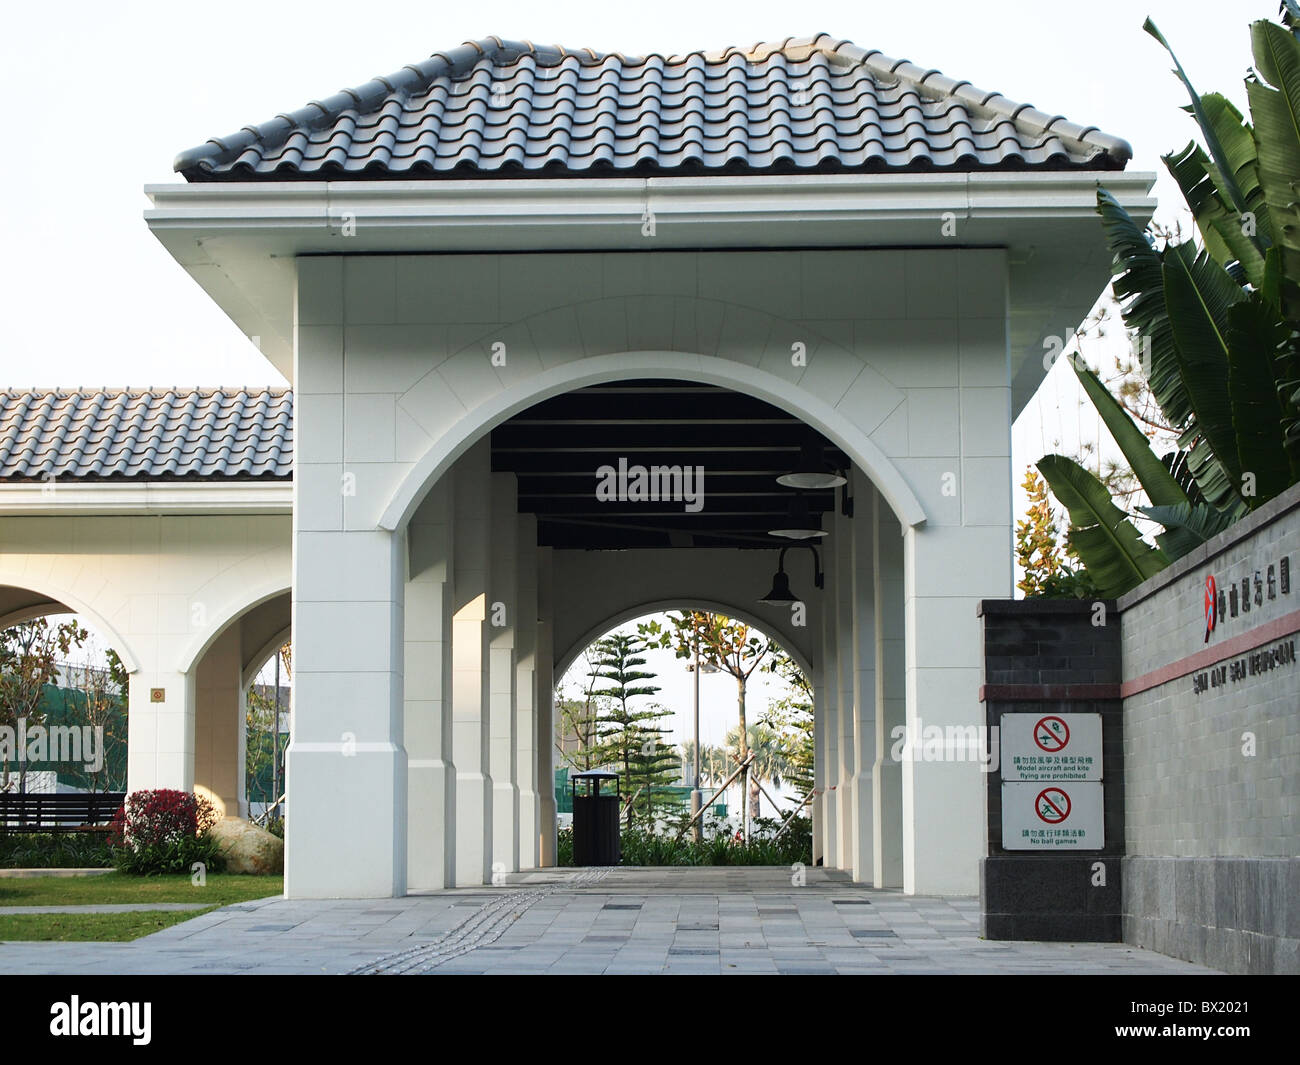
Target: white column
<point>504,619</point>
<point>891,702</point>
<point>845,624</point>
<point>830,689</point>
<point>346,766</point>
<point>431,793</point>
<point>471,648</point>
<point>943,801</point>
<point>526,695</point>
<point>863,528</point>
<point>547,843</point>
<point>160,731</point>
<point>820,802</point>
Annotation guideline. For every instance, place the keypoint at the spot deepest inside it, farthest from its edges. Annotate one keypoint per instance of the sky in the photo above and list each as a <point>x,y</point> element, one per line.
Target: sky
<point>112,92</point>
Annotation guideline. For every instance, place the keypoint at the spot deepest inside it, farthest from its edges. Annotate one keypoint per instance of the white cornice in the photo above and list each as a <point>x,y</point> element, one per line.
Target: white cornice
<point>239,240</point>
<point>153,497</point>
<point>587,207</point>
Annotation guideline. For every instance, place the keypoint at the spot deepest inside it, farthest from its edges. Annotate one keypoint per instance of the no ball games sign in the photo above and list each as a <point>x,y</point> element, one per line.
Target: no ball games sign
<point>1061,816</point>
<point>1051,782</point>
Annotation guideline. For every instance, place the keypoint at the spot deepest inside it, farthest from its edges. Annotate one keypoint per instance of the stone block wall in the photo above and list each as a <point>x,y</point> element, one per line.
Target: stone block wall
<point>1212,750</point>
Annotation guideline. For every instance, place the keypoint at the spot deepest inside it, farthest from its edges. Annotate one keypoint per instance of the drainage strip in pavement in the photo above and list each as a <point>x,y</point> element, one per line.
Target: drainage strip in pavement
<point>485,925</point>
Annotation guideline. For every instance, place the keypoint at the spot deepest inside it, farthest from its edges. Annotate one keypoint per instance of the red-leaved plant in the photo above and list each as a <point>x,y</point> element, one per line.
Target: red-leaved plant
<point>160,816</point>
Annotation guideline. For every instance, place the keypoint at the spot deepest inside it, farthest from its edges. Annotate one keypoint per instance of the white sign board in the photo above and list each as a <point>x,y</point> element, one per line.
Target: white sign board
<point>1051,746</point>
<point>1058,815</point>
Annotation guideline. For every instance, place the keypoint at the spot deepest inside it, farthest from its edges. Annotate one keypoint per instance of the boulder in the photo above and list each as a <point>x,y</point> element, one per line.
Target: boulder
<point>247,848</point>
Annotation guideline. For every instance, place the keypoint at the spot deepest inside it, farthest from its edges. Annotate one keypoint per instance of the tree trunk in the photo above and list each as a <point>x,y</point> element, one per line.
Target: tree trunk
<point>744,754</point>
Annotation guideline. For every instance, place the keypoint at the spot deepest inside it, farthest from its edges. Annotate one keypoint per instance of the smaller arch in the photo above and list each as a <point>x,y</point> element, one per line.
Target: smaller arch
<point>201,641</point>
<point>564,661</point>
<point>72,604</point>
<point>263,655</point>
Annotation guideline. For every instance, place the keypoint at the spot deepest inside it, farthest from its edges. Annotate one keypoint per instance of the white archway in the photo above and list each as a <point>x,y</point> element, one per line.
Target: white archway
<point>674,365</point>
<point>230,611</point>
<point>72,604</point>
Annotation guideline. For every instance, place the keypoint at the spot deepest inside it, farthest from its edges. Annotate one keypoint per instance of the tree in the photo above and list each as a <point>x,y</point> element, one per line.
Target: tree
<point>1039,552</point>
<point>266,739</point>
<point>628,737</point>
<point>576,738</point>
<point>719,641</point>
<point>96,694</point>
<point>1220,320</point>
<point>771,760</point>
<point>29,656</point>
<point>792,719</point>
<point>713,762</point>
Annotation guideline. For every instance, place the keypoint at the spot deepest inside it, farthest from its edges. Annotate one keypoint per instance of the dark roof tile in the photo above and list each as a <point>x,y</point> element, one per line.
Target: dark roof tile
<point>496,107</point>
<point>133,434</point>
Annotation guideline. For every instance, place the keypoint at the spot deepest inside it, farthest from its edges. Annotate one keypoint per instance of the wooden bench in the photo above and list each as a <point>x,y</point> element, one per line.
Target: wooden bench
<point>58,812</point>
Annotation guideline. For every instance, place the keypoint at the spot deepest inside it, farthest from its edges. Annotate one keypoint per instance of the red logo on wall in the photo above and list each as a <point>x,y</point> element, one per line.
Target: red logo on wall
<point>1211,606</point>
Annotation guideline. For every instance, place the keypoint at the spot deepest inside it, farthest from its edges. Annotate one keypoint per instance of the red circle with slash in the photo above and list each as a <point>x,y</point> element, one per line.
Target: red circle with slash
<point>1052,806</point>
<point>1057,735</point>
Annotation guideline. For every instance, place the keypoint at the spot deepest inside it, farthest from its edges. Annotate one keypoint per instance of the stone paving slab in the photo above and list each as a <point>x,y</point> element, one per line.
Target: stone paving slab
<point>709,920</point>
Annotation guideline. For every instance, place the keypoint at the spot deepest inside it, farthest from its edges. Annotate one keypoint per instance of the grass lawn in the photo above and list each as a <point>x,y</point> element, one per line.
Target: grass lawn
<point>87,927</point>
<point>220,890</point>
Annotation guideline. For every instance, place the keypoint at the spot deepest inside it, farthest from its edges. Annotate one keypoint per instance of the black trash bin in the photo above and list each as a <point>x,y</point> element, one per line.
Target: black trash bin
<point>595,817</point>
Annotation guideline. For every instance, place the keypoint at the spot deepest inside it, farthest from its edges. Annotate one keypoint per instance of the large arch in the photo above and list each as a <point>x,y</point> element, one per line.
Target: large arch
<point>565,659</point>
<point>60,600</point>
<point>603,369</point>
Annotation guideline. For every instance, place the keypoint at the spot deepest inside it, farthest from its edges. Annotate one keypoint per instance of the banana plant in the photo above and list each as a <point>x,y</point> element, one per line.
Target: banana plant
<point>1112,550</point>
<point>1220,324</point>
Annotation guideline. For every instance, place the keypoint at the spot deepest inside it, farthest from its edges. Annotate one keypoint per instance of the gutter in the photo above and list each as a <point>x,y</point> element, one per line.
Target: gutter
<point>151,497</point>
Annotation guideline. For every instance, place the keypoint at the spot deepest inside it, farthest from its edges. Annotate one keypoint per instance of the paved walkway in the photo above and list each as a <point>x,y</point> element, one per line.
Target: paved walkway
<point>711,920</point>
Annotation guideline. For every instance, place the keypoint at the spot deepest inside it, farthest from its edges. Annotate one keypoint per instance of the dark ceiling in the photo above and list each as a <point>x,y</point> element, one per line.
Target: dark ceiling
<point>743,445</point>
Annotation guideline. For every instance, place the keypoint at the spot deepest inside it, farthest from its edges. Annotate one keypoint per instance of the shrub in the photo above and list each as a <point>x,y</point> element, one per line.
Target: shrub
<point>164,831</point>
<point>718,846</point>
<point>60,850</point>
<point>564,847</point>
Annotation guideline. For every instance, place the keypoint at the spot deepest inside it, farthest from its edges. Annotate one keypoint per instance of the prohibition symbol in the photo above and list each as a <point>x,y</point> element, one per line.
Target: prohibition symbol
<point>1052,806</point>
<point>1051,734</point>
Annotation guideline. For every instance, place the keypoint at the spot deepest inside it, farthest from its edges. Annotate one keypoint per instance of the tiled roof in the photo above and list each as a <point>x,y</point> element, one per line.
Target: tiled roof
<point>133,434</point>
<point>508,108</point>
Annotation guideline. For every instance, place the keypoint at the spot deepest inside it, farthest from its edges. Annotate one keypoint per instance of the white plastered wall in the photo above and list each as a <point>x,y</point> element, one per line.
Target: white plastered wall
<point>164,590</point>
<point>905,367</point>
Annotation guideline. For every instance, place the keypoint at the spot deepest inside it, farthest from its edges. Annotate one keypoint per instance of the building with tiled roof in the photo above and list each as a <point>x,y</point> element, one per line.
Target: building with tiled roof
<point>500,272</point>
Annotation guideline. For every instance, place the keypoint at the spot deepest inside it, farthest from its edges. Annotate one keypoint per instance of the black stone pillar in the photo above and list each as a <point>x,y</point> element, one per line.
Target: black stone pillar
<point>1053,656</point>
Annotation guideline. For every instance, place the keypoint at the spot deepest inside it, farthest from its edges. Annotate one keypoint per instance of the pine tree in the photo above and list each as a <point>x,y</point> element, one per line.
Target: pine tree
<point>627,738</point>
